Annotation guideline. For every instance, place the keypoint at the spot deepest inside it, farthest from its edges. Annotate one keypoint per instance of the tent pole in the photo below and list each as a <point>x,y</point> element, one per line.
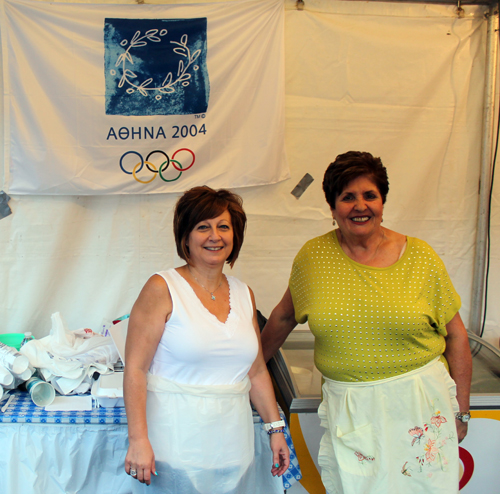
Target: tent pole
<point>478,281</point>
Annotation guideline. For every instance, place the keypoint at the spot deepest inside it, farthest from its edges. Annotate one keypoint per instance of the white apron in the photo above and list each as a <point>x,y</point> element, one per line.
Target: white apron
<point>393,436</point>
<point>202,436</point>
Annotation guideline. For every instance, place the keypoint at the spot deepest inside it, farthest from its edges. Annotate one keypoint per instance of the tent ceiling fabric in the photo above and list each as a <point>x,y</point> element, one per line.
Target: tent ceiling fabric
<point>401,80</point>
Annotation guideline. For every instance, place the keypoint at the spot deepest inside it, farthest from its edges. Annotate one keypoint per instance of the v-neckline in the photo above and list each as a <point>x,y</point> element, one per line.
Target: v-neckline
<point>224,323</point>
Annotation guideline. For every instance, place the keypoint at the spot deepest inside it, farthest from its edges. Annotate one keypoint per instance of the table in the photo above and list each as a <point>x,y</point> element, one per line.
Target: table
<point>81,452</point>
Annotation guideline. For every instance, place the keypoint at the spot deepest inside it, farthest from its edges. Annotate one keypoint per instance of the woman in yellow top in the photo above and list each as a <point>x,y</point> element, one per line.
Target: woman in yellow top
<point>388,336</point>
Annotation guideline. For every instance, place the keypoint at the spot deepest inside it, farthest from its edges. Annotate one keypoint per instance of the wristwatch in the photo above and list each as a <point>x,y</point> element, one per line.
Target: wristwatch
<point>273,425</point>
<point>463,416</point>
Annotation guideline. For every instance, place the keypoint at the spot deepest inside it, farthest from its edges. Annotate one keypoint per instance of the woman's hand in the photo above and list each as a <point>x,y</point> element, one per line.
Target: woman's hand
<point>459,359</point>
<point>281,454</point>
<point>140,458</point>
<point>462,428</point>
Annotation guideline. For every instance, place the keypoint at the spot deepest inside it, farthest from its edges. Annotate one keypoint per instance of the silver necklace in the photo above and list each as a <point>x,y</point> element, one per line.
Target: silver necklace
<point>203,286</point>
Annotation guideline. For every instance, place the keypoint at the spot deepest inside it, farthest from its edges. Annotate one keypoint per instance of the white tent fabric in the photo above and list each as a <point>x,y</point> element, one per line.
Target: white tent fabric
<point>403,81</point>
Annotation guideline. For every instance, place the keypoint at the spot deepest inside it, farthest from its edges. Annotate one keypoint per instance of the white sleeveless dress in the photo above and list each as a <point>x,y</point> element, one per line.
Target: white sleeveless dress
<point>198,409</point>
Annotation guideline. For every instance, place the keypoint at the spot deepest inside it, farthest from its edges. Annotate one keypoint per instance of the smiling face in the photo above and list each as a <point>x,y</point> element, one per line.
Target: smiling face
<point>211,241</point>
<point>359,208</point>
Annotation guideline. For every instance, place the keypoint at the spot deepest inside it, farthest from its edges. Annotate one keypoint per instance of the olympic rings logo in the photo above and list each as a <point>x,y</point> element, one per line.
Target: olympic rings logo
<point>160,171</point>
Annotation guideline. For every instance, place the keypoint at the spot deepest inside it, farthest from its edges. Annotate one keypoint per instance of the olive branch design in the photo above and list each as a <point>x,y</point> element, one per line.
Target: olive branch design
<point>168,85</point>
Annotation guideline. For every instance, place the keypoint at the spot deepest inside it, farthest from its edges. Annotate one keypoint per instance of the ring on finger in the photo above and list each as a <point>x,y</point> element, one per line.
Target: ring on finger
<point>133,472</point>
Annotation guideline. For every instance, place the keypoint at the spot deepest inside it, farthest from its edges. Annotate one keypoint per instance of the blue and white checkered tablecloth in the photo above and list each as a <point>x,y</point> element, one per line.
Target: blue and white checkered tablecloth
<point>22,410</point>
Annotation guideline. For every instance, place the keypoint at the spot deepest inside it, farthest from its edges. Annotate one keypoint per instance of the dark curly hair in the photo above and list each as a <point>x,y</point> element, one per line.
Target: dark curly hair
<point>349,166</point>
<point>203,203</point>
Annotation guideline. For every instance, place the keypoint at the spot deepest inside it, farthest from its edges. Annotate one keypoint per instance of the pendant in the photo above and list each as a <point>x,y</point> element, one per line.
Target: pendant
<point>213,296</point>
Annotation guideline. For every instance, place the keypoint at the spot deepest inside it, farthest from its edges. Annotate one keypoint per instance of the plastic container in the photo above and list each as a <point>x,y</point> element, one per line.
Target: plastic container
<point>12,359</point>
<point>41,392</point>
<point>27,337</point>
<point>12,339</point>
<point>108,390</point>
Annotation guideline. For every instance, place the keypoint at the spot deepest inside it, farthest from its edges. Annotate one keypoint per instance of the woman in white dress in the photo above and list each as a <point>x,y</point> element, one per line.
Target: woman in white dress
<point>193,360</point>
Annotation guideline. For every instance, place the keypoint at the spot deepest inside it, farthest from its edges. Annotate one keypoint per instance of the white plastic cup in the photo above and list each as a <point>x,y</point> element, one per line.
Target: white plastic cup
<point>6,378</point>
<point>12,359</point>
<point>15,383</point>
<point>41,392</point>
<point>26,374</point>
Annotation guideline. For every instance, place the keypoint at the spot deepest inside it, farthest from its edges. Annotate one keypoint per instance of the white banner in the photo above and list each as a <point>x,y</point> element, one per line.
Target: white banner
<point>113,99</point>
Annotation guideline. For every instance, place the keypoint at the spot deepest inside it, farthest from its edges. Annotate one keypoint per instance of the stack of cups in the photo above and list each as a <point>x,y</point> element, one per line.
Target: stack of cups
<point>15,369</point>
<point>13,360</point>
<point>6,377</point>
<point>12,365</point>
<point>6,380</point>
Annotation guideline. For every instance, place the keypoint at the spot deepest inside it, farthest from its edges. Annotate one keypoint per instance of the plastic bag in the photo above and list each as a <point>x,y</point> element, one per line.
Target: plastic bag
<point>68,359</point>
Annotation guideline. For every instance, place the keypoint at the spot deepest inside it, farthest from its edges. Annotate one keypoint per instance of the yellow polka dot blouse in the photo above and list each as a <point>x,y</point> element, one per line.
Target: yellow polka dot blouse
<point>372,323</point>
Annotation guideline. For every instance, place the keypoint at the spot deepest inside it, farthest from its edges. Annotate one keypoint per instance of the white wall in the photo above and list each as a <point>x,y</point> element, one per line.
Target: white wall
<point>402,81</point>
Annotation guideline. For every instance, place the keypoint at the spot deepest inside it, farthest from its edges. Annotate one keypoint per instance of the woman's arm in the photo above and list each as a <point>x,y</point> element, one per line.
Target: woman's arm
<point>147,322</point>
<point>264,400</point>
<point>459,359</point>
<point>279,325</point>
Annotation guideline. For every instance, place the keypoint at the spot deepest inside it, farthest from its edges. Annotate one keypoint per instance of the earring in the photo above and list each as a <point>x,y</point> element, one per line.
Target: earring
<point>334,222</point>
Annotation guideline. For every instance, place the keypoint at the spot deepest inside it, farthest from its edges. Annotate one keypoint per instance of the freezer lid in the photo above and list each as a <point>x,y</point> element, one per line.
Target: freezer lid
<point>299,382</point>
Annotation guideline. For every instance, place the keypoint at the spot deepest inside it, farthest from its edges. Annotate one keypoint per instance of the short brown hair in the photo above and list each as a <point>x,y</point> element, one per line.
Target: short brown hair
<point>349,166</point>
<point>203,203</point>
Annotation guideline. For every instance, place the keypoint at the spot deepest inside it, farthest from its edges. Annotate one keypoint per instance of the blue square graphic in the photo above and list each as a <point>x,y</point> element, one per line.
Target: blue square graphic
<point>156,66</point>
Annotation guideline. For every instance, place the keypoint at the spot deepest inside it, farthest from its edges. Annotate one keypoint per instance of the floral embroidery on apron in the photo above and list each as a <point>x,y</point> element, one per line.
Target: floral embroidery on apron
<point>430,440</point>
<point>362,458</point>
